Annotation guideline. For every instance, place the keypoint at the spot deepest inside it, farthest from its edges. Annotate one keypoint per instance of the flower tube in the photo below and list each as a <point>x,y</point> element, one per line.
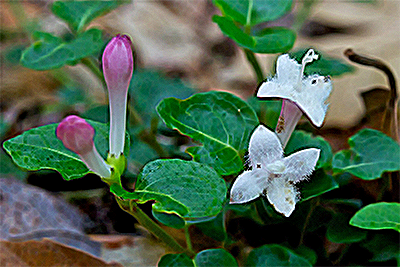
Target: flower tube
<point>299,94</point>
<point>77,135</point>
<point>118,69</point>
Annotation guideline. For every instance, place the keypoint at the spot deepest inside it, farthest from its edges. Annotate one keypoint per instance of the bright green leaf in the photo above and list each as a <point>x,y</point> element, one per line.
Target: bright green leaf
<point>215,257</point>
<point>175,260</point>
<point>325,65</point>
<point>50,52</point>
<point>269,40</point>
<point>262,10</point>
<point>378,216</point>
<point>275,255</point>
<point>301,140</point>
<point>371,154</point>
<point>39,148</point>
<point>78,14</point>
<point>318,184</point>
<point>339,230</point>
<point>221,121</point>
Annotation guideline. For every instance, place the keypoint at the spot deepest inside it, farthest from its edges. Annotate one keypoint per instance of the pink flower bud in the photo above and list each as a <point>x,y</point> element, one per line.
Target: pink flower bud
<point>118,69</point>
<point>77,135</point>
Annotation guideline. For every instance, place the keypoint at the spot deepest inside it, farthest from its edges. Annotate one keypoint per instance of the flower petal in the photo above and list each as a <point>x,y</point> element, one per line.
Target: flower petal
<point>248,186</point>
<point>288,70</point>
<point>264,148</point>
<point>282,195</point>
<point>300,164</point>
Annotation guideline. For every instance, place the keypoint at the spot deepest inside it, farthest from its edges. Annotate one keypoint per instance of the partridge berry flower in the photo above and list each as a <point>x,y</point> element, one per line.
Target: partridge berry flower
<point>271,174</point>
<point>300,94</point>
<point>118,69</point>
<point>77,135</point>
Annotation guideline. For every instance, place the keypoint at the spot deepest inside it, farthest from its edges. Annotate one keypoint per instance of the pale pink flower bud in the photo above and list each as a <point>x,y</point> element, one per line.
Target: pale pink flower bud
<point>118,69</point>
<point>77,135</point>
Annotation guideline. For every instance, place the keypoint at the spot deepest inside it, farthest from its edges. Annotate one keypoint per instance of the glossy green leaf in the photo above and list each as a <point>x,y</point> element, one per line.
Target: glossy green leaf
<point>261,10</point>
<point>301,140</point>
<point>269,40</point>
<point>50,52</point>
<point>221,121</point>
<point>175,260</point>
<point>339,230</point>
<point>39,148</point>
<point>214,228</point>
<point>378,216</point>
<point>275,255</point>
<point>195,186</point>
<point>371,154</point>
<point>149,87</point>
<point>318,184</point>
<point>215,257</point>
<point>169,219</point>
<point>325,65</point>
<point>78,14</point>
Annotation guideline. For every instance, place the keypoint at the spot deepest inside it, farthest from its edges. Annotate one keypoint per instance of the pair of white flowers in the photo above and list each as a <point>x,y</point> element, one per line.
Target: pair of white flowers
<point>273,175</point>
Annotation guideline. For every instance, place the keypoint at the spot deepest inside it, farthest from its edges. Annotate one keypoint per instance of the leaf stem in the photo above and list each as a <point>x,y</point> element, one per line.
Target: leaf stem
<point>254,63</point>
<point>188,240</point>
<point>132,208</point>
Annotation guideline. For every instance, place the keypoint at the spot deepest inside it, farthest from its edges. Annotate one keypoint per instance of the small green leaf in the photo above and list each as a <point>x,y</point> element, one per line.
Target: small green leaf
<point>214,228</point>
<point>371,154</point>
<point>39,148</point>
<point>275,255</point>
<point>378,216</point>
<point>169,219</point>
<point>262,10</point>
<point>301,140</point>
<point>269,40</point>
<point>325,65</point>
<point>221,121</point>
<point>50,52</point>
<point>339,230</point>
<point>196,186</point>
<point>319,183</point>
<point>215,257</point>
<point>175,260</point>
<point>78,14</point>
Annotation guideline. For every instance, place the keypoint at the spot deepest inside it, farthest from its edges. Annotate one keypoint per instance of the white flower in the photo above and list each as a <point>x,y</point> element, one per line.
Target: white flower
<point>271,174</point>
<point>307,93</point>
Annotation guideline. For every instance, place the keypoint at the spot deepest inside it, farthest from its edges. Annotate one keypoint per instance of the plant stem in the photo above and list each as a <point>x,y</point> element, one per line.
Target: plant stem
<point>188,241</point>
<point>131,207</point>
<point>93,67</point>
<point>254,63</point>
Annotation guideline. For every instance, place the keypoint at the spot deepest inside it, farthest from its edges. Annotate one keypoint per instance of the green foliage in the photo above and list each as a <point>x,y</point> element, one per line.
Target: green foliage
<point>325,65</point>
<point>261,10</point>
<point>275,255</point>
<point>384,246</point>
<point>51,52</point>
<point>318,184</point>
<point>221,121</point>
<point>175,260</point>
<point>269,40</point>
<point>215,257</point>
<point>78,14</point>
<point>371,153</point>
<point>339,230</point>
<point>378,216</point>
<point>214,228</point>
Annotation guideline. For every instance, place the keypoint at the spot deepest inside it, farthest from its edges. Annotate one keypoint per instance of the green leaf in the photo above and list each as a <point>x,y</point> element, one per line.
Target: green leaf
<point>192,185</point>
<point>325,65</point>
<point>221,121</point>
<point>275,255</point>
<point>78,14</point>
<point>215,257</point>
<point>268,111</point>
<point>301,140</point>
<point>39,148</point>
<point>8,168</point>
<point>269,40</point>
<point>149,87</point>
<point>214,228</point>
<point>339,230</point>
<point>50,52</point>
<point>307,253</point>
<point>169,219</point>
<point>378,216</point>
<point>371,154</point>
<point>175,260</point>
<point>262,10</point>
<point>319,183</point>
<point>384,247</point>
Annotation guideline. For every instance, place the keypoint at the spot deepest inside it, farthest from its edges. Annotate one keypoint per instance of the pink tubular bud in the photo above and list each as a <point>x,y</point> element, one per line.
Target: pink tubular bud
<point>118,69</point>
<point>77,135</point>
